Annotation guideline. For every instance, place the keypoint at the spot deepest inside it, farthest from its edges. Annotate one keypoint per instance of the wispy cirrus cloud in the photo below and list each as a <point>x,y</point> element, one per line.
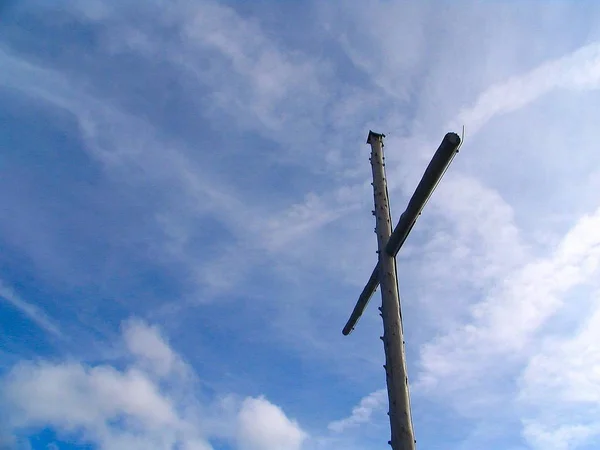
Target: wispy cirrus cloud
<point>362,412</point>
<point>579,70</point>
<point>31,311</point>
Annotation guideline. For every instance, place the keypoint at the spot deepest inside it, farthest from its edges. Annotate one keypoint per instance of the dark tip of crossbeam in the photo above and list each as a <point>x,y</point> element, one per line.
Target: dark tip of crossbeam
<point>373,135</point>
<point>452,138</point>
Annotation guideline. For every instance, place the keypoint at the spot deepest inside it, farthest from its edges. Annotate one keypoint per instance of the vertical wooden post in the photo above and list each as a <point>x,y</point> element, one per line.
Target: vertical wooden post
<point>393,340</point>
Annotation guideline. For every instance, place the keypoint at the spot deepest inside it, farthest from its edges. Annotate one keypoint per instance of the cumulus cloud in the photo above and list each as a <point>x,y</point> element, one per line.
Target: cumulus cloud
<point>128,407</point>
<point>149,347</point>
<point>264,426</point>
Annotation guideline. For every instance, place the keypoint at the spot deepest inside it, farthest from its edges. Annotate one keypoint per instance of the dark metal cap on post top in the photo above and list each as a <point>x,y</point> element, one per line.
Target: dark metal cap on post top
<point>373,135</point>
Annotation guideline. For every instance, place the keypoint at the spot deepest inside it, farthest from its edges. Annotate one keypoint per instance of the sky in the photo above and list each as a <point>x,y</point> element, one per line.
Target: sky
<point>186,223</point>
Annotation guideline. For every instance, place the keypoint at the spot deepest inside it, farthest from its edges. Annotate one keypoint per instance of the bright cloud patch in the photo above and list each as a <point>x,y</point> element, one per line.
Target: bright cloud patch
<point>129,409</point>
<point>504,324</point>
<point>148,346</point>
<point>560,388</point>
<point>264,426</point>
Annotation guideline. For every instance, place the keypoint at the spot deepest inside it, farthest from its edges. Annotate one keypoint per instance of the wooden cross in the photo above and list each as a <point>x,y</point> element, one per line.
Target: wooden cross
<point>385,274</point>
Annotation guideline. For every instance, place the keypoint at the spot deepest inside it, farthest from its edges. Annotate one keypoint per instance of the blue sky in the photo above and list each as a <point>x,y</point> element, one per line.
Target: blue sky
<point>185,195</point>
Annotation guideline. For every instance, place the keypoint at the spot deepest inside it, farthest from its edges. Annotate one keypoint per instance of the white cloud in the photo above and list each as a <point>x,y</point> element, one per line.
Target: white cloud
<point>91,401</point>
<point>264,426</point>
<point>363,412</point>
<point>69,394</point>
<point>503,324</point>
<point>567,369</point>
<point>559,389</point>
<point>478,232</point>
<point>116,408</point>
<point>149,346</point>
<point>558,437</point>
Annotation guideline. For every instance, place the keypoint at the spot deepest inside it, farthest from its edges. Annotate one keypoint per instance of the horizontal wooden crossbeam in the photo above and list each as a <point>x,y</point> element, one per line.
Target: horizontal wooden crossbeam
<point>433,174</point>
